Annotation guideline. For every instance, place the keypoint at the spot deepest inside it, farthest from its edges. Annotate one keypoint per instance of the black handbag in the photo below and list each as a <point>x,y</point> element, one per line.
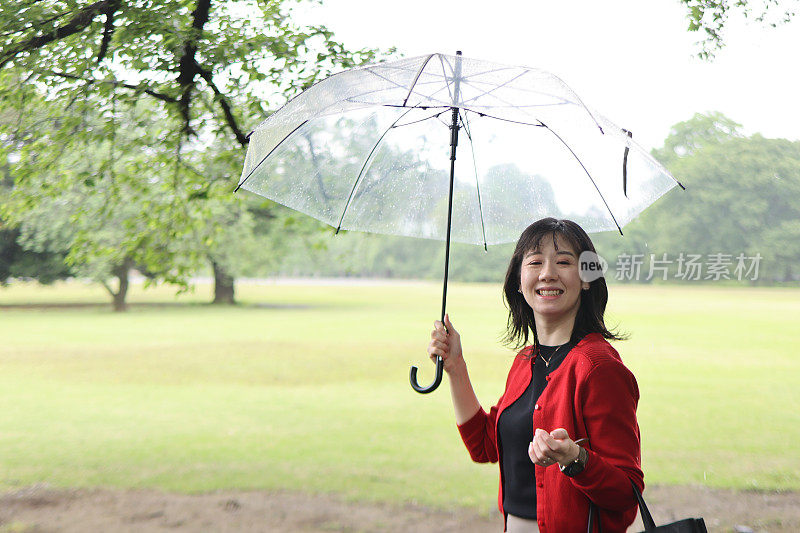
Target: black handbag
<point>687,525</point>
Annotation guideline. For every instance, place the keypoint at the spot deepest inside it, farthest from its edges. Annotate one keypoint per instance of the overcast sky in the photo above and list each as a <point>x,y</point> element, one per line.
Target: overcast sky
<point>632,60</point>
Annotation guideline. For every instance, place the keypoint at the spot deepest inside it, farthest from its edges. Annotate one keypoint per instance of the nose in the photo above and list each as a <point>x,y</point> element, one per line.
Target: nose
<point>548,271</point>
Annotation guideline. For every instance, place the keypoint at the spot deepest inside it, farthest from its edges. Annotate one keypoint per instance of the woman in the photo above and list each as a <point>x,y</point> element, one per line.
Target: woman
<point>564,431</point>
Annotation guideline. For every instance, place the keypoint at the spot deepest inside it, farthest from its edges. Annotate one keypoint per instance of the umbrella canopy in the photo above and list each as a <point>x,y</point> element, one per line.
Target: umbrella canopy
<point>374,149</point>
<point>368,149</point>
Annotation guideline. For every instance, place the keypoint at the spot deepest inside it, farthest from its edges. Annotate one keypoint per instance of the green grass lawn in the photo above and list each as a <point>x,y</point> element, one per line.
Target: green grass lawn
<point>306,387</point>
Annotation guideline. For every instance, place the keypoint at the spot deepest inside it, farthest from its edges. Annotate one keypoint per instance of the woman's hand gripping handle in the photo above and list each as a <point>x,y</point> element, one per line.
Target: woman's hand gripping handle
<point>446,344</point>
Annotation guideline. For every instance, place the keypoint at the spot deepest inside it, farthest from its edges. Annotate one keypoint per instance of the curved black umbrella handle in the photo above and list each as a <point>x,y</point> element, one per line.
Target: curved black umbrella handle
<point>432,387</point>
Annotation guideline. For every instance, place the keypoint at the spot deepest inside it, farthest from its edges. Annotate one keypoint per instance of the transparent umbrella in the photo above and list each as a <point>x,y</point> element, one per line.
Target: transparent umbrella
<point>374,149</point>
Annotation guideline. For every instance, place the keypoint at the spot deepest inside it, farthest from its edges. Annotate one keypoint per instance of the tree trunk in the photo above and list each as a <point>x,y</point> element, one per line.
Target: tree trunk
<point>121,272</point>
<point>118,297</point>
<point>223,286</point>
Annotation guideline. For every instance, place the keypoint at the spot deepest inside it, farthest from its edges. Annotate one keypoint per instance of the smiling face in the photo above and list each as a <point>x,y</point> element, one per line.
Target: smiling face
<point>546,260</point>
<point>550,280</point>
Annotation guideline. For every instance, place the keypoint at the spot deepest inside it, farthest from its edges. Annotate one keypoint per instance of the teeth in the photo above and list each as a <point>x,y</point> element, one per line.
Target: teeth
<point>550,293</point>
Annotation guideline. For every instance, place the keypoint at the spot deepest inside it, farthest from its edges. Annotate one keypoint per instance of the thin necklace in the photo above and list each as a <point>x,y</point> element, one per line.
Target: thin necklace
<point>547,361</point>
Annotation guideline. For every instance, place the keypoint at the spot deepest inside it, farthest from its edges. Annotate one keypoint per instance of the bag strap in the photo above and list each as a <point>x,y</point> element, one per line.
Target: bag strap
<point>592,513</point>
<point>647,518</point>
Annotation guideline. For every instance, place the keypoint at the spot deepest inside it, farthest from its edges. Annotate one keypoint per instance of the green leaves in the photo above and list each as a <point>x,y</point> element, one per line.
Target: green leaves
<point>160,46</point>
<point>711,16</point>
<point>103,190</point>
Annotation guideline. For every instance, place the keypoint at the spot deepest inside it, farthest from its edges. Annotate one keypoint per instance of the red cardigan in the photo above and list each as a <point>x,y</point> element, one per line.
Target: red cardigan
<point>591,394</point>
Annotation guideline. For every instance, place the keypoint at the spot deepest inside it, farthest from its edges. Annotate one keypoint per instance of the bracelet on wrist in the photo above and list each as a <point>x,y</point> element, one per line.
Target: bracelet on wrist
<point>578,465</point>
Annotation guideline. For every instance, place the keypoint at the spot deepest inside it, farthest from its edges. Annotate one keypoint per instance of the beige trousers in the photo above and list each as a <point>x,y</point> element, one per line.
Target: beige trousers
<point>515,524</point>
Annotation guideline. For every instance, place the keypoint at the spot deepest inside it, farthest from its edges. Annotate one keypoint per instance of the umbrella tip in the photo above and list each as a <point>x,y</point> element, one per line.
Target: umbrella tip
<point>458,52</point>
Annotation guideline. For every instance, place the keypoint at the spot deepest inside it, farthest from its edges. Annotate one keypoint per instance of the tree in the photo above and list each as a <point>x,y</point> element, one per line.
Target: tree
<point>242,234</point>
<point>110,198</point>
<point>711,17</point>
<point>203,60</point>
<point>692,136</point>
<point>209,70</point>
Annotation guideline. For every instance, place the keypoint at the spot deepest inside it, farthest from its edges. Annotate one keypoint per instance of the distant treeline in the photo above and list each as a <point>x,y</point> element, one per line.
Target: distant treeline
<point>737,222</point>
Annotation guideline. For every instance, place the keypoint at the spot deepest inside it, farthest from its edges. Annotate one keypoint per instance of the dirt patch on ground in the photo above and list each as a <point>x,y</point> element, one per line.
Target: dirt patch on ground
<point>41,509</point>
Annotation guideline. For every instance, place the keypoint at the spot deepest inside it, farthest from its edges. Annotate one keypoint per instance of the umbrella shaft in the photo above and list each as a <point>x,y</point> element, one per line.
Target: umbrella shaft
<point>453,146</point>
<point>453,141</point>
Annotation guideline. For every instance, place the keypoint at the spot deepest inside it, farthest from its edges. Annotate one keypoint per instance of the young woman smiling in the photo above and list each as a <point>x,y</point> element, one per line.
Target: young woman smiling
<point>564,431</point>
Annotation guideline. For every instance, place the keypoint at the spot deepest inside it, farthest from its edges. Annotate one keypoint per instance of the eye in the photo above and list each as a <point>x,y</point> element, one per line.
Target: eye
<point>535,262</point>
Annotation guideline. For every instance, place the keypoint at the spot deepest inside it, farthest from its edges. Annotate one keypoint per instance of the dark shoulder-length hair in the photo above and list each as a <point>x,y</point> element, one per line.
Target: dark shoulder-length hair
<point>521,322</point>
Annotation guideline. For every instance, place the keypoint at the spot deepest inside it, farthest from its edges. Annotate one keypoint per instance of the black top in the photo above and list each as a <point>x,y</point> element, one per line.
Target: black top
<point>515,433</point>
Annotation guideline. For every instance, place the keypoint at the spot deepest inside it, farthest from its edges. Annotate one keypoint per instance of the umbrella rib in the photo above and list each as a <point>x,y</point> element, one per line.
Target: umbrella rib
<point>269,154</point>
<point>491,71</point>
<point>448,106</point>
<point>363,167</point>
<point>446,80</point>
<point>465,122</point>
<point>563,101</point>
<point>416,78</point>
<point>484,93</point>
<point>578,98</point>
<point>396,84</point>
<point>449,95</point>
<point>539,124</point>
<point>442,122</point>
<point>430,96</point>
<point>533,91</point>
<point>355,98</point>
<point>587,173</point>
<point>436,115</point>
<point>566,87</point>
<point>359,98</point>
<point>468,80</point>
<point>464,79</point>
<point>509,104</point>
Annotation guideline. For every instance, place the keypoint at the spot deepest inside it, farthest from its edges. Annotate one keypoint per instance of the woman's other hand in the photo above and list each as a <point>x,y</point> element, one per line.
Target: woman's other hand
<point>446,343</point>
<point>547,449</point>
